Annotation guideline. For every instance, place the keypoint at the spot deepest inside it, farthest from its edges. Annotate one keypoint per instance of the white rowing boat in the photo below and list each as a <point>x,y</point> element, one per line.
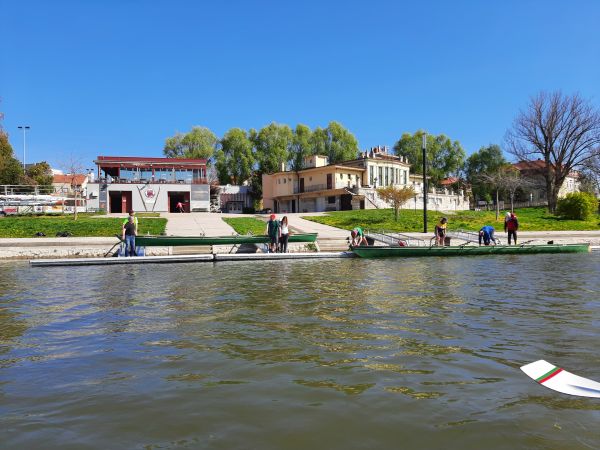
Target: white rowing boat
<point>560,380</point>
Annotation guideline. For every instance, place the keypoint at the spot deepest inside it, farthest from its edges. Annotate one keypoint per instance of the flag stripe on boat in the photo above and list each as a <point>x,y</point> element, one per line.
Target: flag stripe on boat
<point>555,371</point>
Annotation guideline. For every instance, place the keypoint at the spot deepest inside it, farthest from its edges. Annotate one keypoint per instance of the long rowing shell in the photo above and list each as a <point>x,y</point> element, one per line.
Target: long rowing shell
<point>560,380</point>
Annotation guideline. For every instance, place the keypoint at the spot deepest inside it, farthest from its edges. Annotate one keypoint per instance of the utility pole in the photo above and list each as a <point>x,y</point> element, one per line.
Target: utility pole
<point>24,128</point>
<point>424,147</point>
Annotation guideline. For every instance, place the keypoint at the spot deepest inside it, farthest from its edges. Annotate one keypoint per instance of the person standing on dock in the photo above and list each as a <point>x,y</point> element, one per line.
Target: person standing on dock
<point>440,231</point>
<point>285,234</point>
<point>511,225</point>
<point>358,237</point>
<point>274,233</point>
<point>135,219</point>
<point>486,234</point>
<point>128,235</point>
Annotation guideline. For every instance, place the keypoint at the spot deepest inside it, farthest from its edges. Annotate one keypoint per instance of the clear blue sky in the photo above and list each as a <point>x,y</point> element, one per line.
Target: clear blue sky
<point>118,77</point>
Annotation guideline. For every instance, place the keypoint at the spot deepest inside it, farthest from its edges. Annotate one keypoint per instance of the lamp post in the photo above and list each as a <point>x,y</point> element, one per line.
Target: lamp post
<point>424,148</point>
<point>24,128</point>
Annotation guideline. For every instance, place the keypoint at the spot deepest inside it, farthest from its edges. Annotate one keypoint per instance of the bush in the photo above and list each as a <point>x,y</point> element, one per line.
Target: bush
<point>577,205</point>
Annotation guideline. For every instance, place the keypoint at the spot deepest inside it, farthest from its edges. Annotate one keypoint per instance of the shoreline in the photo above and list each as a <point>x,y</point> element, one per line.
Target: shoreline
<point>94,247</point>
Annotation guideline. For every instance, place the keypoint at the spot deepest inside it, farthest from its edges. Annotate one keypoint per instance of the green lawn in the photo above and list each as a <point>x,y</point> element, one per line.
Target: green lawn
<point>530,219</point>
<point>85,225</point>
<point>246,225</point>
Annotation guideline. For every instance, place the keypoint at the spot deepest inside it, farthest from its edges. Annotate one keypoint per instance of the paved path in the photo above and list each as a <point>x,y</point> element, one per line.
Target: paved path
<point>194,224</point>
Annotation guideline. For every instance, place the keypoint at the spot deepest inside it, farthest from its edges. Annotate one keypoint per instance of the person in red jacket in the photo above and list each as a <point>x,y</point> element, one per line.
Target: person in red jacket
<point>511,225</point>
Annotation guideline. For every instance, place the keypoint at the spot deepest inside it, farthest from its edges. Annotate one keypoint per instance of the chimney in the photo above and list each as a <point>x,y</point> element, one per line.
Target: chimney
<point>282,167</point>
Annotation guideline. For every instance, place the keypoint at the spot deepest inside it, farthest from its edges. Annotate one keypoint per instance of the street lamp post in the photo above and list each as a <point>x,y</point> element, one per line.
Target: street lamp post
<point>24,128</point>
<point>424,147</point>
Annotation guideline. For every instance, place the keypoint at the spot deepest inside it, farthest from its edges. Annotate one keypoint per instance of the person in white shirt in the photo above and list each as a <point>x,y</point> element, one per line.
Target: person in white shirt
<point>285,234</point>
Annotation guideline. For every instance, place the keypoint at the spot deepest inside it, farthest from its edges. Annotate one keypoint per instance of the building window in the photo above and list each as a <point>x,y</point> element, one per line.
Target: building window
<point>284,181</point>
<point>405,176</point>
<point>371,176</point>
<point>331,199</point>
<point>380,176</point>
<point>387,176</point>
<point>341,176</point>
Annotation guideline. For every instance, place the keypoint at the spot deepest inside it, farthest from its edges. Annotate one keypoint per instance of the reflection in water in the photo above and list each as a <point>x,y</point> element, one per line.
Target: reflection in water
<point>223,355</point>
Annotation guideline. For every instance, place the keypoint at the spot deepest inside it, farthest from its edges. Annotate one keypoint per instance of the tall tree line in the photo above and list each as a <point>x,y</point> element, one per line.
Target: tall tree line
<point>242,155</point>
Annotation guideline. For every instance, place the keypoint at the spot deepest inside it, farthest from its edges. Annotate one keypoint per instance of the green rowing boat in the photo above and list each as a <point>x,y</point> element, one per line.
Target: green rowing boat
<point>465,250</point>
<point>174,241</point>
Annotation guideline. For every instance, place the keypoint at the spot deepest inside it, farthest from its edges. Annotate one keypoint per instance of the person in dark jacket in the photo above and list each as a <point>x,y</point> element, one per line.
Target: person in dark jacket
<point>511,225</point>
<point>128,235</point>
<point>274,233</point>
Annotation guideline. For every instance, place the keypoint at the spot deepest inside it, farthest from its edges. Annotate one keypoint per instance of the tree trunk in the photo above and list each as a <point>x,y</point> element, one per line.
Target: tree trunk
<point>75,210</point>
<point>396,213</point>
<point>497,205</point>
<point>512,202</point>
<point>550,195</point>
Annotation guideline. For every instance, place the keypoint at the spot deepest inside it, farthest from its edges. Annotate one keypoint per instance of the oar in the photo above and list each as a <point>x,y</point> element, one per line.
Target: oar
<point>560,380</point>
<point>118,243</point>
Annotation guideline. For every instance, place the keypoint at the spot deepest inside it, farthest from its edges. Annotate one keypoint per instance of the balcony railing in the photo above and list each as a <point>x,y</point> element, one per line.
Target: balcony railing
<point>117,180</point>
<point>311,188</point>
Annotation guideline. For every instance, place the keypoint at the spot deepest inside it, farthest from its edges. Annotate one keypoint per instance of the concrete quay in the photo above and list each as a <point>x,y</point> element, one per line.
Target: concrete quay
<point>330,239</point>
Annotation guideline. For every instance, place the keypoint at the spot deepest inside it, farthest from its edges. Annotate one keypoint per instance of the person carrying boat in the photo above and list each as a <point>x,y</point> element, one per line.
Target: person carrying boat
<point>440,231</point>
<point>274,233</point>
<point>511,225</point>
<point>128,235</point>
<point>486,234</point>
<point>358,237</point>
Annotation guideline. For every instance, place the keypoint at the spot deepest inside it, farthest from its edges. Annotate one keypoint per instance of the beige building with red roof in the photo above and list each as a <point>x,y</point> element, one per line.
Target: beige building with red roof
<point>533,170</point>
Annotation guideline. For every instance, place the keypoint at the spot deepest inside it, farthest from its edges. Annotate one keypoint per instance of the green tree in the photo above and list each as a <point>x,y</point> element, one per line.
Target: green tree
<point>486,161</point>
<point>40,174</point>
<point>11,170</point>
<point>301,147</point>
<point>444,157</point>
<point>198,143</point>
<point>235,159</point>
<point>174,146</point>
<point>335,142</point>
<point>272,144</point>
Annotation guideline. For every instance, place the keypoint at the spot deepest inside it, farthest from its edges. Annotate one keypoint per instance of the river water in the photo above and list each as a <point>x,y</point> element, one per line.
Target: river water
<point>320,354</point>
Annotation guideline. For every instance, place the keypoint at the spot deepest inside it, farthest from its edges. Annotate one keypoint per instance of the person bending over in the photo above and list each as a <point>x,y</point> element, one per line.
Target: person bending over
<point>486,234</point>
<point>358,237</point>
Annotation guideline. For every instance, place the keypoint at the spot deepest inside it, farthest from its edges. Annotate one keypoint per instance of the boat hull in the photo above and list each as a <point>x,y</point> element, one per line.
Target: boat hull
<point>175,241</point>
<point>382,252</point>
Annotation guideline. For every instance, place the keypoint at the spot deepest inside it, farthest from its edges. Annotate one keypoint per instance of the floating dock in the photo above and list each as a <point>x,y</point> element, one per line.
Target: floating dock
<point>172,259</point>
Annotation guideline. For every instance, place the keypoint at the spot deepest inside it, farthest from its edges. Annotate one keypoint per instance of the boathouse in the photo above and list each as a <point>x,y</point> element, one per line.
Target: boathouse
<point>124,183</point>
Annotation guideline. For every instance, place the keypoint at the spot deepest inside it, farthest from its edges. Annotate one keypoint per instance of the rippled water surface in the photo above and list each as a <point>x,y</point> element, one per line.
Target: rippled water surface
<point>332,354</point>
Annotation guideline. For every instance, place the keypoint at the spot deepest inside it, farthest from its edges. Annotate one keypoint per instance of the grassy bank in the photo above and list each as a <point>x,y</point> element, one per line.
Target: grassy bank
<point>530,219</point>
<point>246,225</point>
<point>84,226</point>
